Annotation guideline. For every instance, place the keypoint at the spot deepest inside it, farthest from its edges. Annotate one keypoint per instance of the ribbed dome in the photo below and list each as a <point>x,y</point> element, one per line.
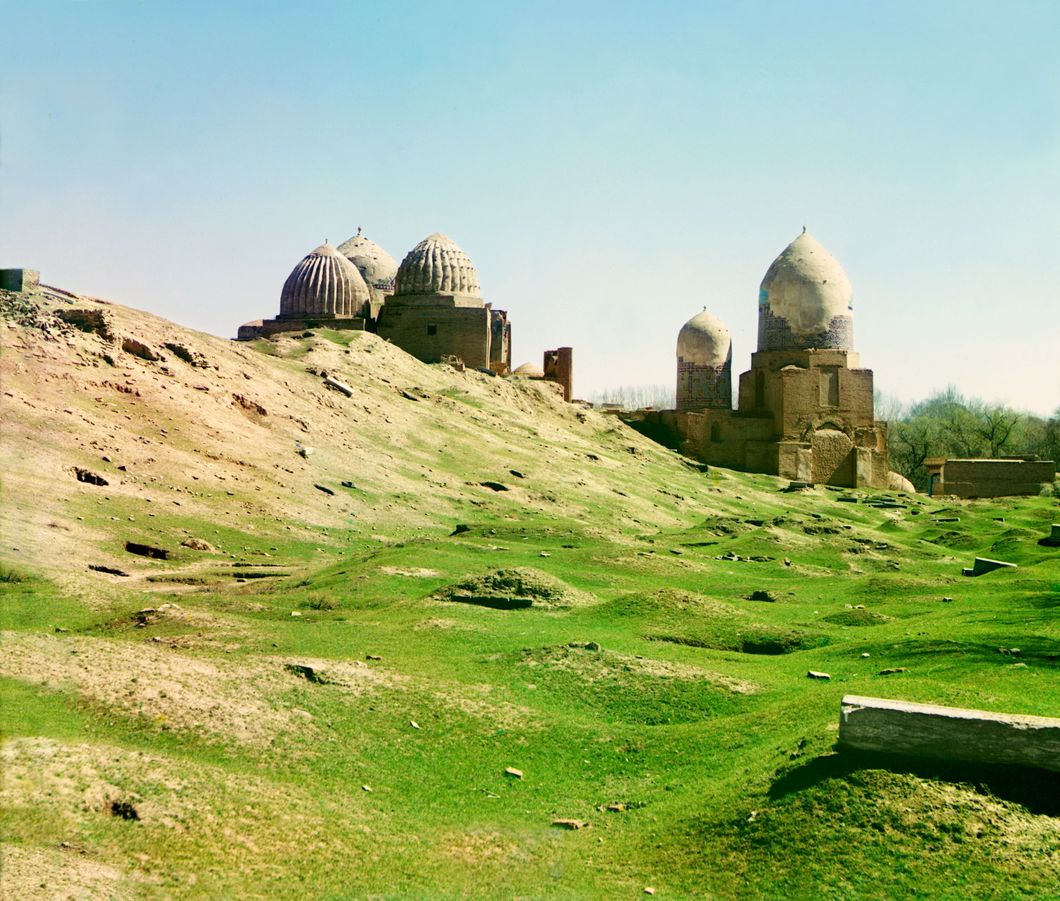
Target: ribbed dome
<point>377,267</point>
<point>436,266</point>
<point>806,287</point>
<point>704,341</point>
<point>325,283</point>
<point>529,371</point>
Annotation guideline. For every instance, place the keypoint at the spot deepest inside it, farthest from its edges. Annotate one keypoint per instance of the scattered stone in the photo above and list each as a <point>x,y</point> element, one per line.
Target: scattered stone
<point>761,595</point>
<point>569,824</point>
<point>89,477</point>
<point>866,654</point>
<point>197,544</point>
<point>893,670</point>
<point>460,529</point>
<point>517,474</point>
<point>946,519</point>
<point>513,772</point>
<point>366,788</point>
<point>348,484</point>
<point>306,452</point>
<point>813,674</point>
<point>984,565</point>
<point>1053,538</point>
<point>677,551</point>
<point>252,406</point>
<point>787,562</point>
<point>494,486</point>
<point>649,890</point>
<point>296,613</point>
<point>797,486</point>
<point>323,488</point>
<point>141,350</point>
<point>95,322</point>
<point>109,570</point>
<point>414,724</point>
<point>947,600</point>
<point>338,386</point>
<point>847,499</point>
<point>372,657</point>
<point>544,554</point>
<point>949,733</point>
<point>616,808</point>
<point>146,550</point>
<point>191,357</point>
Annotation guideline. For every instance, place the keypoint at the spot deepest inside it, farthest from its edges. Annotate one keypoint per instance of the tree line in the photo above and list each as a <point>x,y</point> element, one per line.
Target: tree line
<point>948,424</point>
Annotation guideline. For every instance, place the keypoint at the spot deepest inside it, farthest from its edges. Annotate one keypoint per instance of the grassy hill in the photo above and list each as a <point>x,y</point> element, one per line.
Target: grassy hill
<point>346,637</point>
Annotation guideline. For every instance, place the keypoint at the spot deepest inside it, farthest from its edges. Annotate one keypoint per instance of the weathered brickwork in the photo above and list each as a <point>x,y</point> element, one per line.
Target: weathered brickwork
<point>20,280</point>
<point>989,478</point>
<point>558,366</point>
<point>702,387</point>
<point>774,333</point>
<point>431,331</point>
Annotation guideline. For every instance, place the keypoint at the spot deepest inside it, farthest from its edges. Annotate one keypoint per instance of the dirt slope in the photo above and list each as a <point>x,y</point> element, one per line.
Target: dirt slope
<point>251,439</point>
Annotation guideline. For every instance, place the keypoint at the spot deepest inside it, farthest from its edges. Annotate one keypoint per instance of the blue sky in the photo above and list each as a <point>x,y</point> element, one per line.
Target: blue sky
<point>611,168</point>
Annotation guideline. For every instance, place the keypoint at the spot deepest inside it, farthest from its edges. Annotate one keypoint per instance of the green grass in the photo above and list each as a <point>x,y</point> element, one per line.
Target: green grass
<point>626,698</point>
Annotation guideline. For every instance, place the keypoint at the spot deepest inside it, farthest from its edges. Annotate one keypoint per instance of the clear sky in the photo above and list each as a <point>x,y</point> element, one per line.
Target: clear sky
<point>610,167</point>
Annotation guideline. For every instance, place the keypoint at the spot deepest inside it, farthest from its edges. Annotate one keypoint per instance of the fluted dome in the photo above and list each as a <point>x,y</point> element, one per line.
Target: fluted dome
<point>324,284</point>
<point>377,267</point>
<point>704,341</point>
<point>436,266</point>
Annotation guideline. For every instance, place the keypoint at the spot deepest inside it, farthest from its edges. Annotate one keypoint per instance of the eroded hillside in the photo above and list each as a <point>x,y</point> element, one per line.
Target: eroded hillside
<point>438,634</point>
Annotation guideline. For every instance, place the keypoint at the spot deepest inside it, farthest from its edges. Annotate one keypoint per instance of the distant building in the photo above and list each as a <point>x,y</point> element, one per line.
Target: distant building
<point>430,306</point>
<point>805,406</point>
<point>437,309</point>
<point>1006,477</point>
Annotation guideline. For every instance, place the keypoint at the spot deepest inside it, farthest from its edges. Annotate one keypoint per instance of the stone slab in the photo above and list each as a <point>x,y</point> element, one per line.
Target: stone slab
<point>949,733</point>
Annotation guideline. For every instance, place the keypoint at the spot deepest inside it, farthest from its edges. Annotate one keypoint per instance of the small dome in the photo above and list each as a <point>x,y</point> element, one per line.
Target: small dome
<point>806,287</point>
<point>704,341</point>
<point>529,371</point>
<point>325,283</point>
<point>898,482</point>
<point>436,266</point>
<point>377,267</point>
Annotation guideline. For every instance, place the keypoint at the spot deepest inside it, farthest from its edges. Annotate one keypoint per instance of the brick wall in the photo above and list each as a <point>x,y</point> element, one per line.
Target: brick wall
<point>994,478</point>
<point>429,332</point>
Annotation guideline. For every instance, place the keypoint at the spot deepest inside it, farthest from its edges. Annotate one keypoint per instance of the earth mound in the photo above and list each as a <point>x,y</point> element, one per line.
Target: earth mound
<point>515,588</point>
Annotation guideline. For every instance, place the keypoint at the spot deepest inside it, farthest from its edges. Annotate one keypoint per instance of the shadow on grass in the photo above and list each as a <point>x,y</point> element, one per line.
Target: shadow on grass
<point>1036,790</point>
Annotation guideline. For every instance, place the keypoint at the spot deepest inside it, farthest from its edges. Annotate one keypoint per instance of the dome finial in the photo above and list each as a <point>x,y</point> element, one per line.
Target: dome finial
<point>358,229</point>
<point>804,229</point>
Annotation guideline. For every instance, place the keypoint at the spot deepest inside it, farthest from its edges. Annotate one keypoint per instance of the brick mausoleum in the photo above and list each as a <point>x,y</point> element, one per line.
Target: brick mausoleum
<point>805,406</point>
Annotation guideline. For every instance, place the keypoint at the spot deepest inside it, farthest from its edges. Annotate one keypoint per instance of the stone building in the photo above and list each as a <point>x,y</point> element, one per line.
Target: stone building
<point>437,309</point>
<point>324,289</point>
<point>377,267</point>
<point>805,406</point>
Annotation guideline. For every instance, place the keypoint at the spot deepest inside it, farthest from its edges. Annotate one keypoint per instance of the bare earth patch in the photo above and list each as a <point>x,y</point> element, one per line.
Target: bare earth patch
<point>59,875</point>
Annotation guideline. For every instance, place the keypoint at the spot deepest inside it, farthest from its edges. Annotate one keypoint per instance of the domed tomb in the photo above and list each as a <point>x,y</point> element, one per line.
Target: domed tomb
<point>377,267</point>
<point>437,266</point>
<point>805,300</point>
<point>529,371</point>
<point>324,285</point>
<point>704,364</point>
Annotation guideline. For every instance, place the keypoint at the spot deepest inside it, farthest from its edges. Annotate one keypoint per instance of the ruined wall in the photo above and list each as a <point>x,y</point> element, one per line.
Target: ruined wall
<point>431,331</point>
<point>500,341</point>
<point>994,478</point>
<point>559,367</point>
